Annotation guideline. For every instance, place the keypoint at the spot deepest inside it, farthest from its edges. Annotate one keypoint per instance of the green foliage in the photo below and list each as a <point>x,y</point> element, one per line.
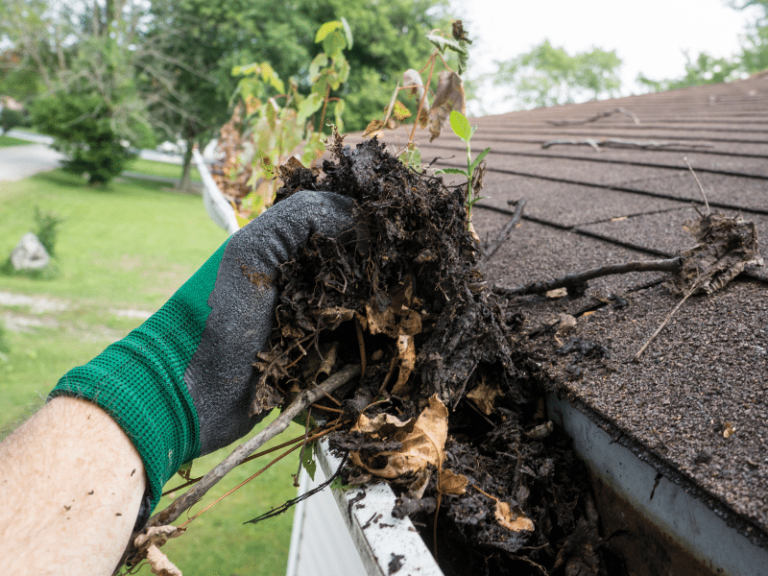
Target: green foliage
<point>94,112</point>
<point>276,131</point>
<point>462,128</point>
<point>82,127</point>
<point>705,69</point>
<point>548,75</point>
<point>47,229</point>
<point>10,119</point>
<point>308,459</point>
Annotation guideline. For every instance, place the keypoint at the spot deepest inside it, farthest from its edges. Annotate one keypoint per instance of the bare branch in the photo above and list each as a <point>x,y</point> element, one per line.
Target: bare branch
<point>596,117</point>
<point>193,495</point>
<point>502,237</point>
<point>699,185</point>
<point>598,143</point>
<point>570,280</point>
<point>636,358</point>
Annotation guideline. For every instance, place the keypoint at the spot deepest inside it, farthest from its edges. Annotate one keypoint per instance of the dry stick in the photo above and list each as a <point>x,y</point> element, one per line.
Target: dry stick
<point>667,265</point>
<point>243,483</point>
<point>423,97</point>
<point>302,402</point>
<point>488,254</point>
<point>666,321</point>
<point>699,185</point>
<point>251,457</point>
<point>598,143</point>
<point>635,119</point>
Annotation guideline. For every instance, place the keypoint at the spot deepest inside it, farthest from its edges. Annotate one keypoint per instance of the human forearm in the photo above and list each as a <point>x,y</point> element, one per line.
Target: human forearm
<point>71,484</point>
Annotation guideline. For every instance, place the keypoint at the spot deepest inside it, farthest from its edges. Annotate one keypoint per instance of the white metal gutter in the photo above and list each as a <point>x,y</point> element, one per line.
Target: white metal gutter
<point>385,545</point>
<point>682,517</point>
<point>219,210</point>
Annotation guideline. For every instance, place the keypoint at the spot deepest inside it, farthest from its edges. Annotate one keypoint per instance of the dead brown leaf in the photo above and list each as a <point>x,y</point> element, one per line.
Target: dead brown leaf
<point>374,128</point>
<point>727,245</point>
<point>380,322</point>
<point>450,483</point>
<point>512,518</point>
<point>414,84</point>
<point>557,293</point>
<point>406,354</point>
<point>484,397</point>
<point>448,96</point>
<point>423,441</point>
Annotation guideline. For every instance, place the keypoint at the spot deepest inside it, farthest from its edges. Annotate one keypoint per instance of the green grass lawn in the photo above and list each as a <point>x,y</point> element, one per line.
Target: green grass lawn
<point>128,246</point>
<point>10,141</point>
<point>160,169</point>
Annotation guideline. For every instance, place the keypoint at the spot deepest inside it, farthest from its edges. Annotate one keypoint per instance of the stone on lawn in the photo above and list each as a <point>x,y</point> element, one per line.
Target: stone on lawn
<point>29,254</point>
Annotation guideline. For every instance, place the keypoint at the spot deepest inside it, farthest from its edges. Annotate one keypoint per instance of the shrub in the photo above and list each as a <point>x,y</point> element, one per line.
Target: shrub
<point>82,127</point>
<point>10,119</point>
<point>47,228</point>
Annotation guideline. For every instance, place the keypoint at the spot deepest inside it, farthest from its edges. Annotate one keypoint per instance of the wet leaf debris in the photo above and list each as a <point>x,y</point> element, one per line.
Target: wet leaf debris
<point>447,410</point>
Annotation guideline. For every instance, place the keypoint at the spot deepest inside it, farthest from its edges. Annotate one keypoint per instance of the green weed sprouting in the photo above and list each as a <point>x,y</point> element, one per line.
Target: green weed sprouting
<point>280,120</point>
<point>47,229</point>
<point>464,130</point>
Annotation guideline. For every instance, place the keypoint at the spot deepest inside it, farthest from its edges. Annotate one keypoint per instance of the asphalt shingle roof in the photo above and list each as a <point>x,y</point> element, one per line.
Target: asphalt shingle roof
<point>586,208</point>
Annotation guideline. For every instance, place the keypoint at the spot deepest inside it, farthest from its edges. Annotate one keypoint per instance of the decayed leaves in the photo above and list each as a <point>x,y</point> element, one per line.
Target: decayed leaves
<point>448,96</point>
<point>726,246</point>
<point>512,518</point>
<point>484,396</point>
<point>412,80</point>
<point>422,439</point>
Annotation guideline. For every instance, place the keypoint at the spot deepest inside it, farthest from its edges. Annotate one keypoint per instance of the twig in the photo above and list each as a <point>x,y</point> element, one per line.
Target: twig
<point>668,265</point>
<point>666,321</point>
<point>596,117</point>
<point>287,505</point>
<point>598,143</point>
<point>502,237</point>
<point>243,483</point>
<point>701,189</point>
<point>301,403</point>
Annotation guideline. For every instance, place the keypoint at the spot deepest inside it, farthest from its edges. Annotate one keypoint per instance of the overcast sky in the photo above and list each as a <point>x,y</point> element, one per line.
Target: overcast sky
<point>648,35</point>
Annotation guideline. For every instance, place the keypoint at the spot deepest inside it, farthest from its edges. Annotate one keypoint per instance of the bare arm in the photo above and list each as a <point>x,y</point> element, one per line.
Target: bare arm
<point>71,483</point>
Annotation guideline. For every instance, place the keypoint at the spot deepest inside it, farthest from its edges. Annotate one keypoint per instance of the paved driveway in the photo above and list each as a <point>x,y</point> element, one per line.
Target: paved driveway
<point>17,162</point>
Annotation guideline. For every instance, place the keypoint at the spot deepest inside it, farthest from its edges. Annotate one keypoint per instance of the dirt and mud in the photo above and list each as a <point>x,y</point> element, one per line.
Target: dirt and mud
<point>449,409</point>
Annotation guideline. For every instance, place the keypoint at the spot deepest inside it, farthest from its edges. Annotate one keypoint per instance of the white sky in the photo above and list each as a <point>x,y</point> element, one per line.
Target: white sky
<point>648,35</point>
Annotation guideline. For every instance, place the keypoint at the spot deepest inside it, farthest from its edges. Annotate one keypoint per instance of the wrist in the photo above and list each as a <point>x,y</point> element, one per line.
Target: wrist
<point>139,381</point>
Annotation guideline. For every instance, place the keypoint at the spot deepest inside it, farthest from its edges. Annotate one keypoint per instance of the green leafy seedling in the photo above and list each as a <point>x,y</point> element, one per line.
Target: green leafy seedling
<point>464,130</point>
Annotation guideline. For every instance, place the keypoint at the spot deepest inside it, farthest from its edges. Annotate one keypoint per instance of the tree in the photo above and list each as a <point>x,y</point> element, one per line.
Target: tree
<point>85,56</point>
<point>547,75</point>
<point>706,69</point>
<point>210,39</point>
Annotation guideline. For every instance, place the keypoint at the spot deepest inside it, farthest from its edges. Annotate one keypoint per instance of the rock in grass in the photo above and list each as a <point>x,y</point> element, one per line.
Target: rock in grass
<point>29,254</point>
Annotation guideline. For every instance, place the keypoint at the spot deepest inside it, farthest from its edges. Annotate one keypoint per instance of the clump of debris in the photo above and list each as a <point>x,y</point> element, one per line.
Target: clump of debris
<point>447,409</point>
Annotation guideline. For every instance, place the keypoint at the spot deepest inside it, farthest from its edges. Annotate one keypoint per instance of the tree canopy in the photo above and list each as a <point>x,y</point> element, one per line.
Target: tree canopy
<point>180,53</point>
<point>548,75</point>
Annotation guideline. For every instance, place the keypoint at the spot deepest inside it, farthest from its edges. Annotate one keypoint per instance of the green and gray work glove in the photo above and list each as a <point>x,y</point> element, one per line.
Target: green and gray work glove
<point>182,383</point>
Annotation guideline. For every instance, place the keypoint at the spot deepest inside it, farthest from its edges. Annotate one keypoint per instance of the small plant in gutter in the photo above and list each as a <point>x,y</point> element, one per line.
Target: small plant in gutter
<point>474,171</point>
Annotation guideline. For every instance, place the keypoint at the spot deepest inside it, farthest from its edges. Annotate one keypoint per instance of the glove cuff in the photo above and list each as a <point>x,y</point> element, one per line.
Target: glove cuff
<point>139,380</point>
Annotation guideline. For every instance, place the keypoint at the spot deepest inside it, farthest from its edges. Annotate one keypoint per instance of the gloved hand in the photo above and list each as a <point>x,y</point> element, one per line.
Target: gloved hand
<point>182,383</point>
